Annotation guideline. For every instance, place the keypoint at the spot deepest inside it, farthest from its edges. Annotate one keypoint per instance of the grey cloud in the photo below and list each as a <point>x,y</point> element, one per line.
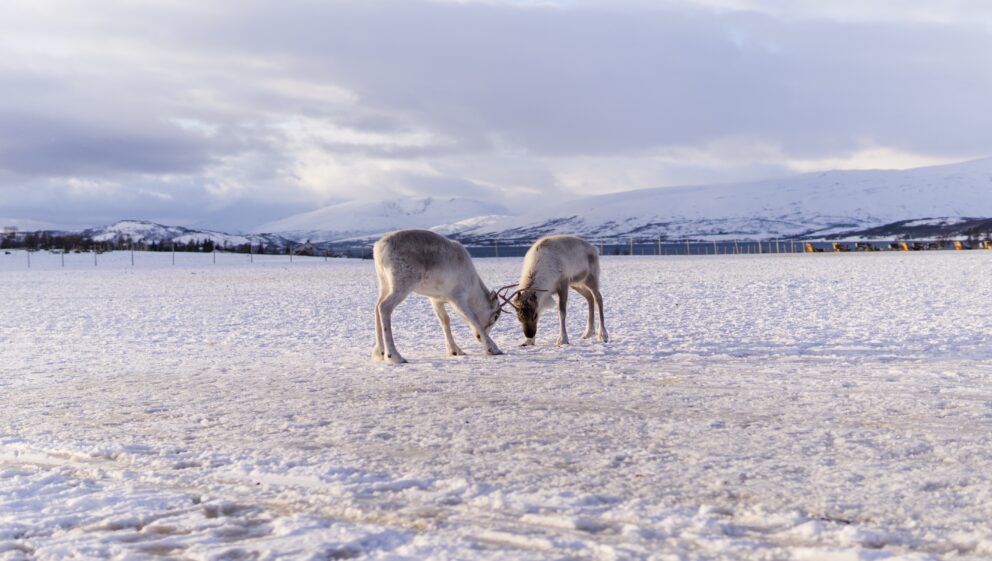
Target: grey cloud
<point>38,145</point>
<point>448,187</point>
<point>593,80</point>
<point>52,201</point>
<point>503,87</point>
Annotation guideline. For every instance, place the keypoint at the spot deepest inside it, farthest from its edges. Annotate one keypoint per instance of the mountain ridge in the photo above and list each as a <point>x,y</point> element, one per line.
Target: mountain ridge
<point>363,219</point>
<point>812,205</point>
<point>952,200</point>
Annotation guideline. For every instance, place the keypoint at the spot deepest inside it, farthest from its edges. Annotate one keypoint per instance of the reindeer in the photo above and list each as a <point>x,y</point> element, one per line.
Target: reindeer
<point>429,264</point>
<point>551,266</point>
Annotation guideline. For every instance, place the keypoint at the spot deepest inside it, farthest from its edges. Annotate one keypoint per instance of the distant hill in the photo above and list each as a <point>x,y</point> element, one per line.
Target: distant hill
<point>129,233</point>
<point>930,202</point>
<point>947,200</point>
<point>140,231</point>
<point>361,219</point>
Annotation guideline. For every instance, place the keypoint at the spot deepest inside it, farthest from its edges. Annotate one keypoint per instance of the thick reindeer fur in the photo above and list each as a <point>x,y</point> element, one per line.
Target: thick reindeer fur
<point>429,264</point>
<point>553,265</point>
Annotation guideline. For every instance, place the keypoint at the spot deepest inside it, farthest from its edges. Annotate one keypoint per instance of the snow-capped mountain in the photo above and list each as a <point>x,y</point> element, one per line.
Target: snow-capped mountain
<point>929,200</point>
<point>140,231</point>
<point>922,203</point>
<point>361,219</point>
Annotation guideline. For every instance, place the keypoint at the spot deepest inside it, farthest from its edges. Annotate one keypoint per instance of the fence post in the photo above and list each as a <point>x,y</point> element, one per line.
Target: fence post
<point>132,255</point>
<point>173,252</point>
<point>62,255</point>
<point>496,245</point>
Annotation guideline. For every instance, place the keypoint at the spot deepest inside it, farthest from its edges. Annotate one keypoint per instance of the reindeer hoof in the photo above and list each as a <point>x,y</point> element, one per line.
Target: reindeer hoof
<point>603,337</point>
<point>493,351</point>
<point>395,359</point>
<point>562,342</point>
<point>527,343</point>
<point>588,335</point>
<point>456,352</point>
<point>376,354</point>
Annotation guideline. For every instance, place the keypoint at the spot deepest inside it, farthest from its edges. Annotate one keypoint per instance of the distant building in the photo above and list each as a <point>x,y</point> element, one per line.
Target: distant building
<point>306,249</point>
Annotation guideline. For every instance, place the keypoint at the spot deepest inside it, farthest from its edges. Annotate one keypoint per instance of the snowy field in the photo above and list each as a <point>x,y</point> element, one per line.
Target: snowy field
<point>807,407</point>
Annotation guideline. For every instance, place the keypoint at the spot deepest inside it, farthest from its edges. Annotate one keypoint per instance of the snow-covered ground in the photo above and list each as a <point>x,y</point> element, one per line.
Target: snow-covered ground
<point>747,407</point>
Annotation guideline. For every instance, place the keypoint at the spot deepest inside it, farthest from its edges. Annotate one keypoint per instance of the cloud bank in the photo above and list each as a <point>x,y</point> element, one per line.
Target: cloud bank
<point>228,114</point>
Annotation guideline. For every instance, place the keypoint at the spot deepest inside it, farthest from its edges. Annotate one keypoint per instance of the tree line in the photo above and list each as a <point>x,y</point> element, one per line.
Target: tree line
<point>67,242</point>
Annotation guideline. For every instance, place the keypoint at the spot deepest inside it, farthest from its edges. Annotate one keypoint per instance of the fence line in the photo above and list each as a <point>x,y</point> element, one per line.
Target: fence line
<point>631,247</point>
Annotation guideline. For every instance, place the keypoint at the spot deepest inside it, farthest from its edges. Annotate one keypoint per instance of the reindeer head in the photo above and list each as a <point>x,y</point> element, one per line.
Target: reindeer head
<point>495,309</point>
<point>528,311</point>
<point>527,305</point>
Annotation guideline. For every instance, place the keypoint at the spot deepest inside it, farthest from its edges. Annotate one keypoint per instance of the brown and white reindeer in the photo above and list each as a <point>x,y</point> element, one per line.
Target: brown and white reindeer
<point>552,266</point>
<point>429,264</point>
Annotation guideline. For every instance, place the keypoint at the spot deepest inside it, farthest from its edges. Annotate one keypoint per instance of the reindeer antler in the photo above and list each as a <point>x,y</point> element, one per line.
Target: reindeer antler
<point>501,293</point>
<point>508,300</point>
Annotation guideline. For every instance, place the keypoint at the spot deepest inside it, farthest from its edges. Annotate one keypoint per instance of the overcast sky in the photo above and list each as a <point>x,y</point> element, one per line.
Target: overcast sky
<point>230,113</point>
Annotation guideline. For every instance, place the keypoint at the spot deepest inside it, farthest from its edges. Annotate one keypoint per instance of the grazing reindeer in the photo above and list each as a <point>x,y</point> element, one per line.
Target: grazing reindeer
<point>426,263</point>
<point>551,266</point>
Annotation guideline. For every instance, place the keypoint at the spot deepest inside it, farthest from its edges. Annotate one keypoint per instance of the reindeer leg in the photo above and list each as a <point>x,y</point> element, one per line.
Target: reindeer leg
<point>590,299</point>
<point>445,319</point>
<point>594,287</point>
<point>477,329</point>
<point>562,302</point>
<point>385,309</point>
<point>377,350</point>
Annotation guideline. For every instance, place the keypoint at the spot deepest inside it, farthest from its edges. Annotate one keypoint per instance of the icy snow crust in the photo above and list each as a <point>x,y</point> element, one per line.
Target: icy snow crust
<point>747,407</point>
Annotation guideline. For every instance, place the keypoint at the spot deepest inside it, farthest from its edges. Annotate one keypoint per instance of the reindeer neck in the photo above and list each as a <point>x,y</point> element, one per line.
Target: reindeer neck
<point>539,279</point>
